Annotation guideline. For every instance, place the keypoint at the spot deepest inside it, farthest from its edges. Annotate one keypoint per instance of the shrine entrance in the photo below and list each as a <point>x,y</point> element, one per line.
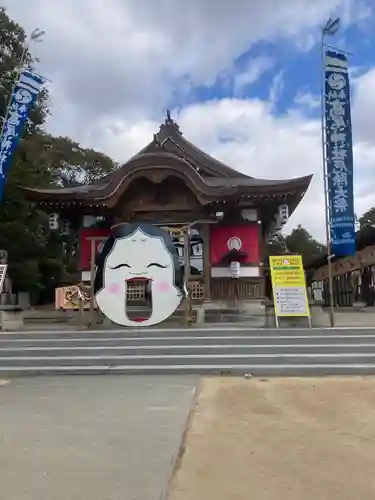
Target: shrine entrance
<point>199,201</point>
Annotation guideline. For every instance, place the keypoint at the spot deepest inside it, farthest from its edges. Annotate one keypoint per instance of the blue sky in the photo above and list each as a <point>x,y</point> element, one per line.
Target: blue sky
<point>297,69</point>
<point>242,79</point>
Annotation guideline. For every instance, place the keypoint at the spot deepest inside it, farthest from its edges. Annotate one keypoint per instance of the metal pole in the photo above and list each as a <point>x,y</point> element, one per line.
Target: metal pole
<point>92,278</point>
<point>326,197</point>
<point>187,315</point>
<point>276,319</point>
<point>81,303</point>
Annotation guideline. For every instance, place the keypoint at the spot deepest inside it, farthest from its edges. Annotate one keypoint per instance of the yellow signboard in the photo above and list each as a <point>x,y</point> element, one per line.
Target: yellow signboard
<point>289,286</point>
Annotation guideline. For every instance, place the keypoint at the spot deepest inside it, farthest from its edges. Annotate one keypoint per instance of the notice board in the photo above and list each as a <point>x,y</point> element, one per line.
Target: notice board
<point>289,286</point>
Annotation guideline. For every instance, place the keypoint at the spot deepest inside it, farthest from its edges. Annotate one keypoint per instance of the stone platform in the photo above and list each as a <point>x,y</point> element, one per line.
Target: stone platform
<point>11,318</point>
<point>259,317</point>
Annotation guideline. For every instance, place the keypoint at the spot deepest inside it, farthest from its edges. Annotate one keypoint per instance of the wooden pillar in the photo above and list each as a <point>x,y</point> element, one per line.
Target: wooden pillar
<point>92,277</point>
<point>205,235</point>
<point>93,244</point>
<point>262,257</point>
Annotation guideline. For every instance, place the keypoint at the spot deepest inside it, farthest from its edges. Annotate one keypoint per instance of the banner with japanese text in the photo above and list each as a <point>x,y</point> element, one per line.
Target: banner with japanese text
<point>339,151</point>
<point>24,95</point>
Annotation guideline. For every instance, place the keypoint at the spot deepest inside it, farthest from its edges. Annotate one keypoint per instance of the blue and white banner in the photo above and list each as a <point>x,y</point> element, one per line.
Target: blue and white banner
<point>339,150</point>
<point>24,95</point>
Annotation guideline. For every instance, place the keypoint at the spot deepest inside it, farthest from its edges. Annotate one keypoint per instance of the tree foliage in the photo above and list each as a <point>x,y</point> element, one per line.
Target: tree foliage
<point>37,257</point>
<point>367,219</point>
<point>299,241</point>
<point>302,242</point>
<point>70,164</point>
<point>12,50</point>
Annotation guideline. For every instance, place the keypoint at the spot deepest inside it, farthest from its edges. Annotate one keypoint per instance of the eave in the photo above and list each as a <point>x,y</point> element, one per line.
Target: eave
<point>158,166</point>
<point>171,154</point>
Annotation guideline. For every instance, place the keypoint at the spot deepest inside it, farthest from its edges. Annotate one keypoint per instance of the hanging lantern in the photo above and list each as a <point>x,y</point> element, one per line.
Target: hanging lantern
<point>54,221</point>
<point>283,214</point>
<point>235,269</point>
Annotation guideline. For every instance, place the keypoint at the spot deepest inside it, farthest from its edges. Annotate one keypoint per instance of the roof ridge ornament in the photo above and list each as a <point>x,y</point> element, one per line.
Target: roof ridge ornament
<point>168,120</point>
<point>170,123</point>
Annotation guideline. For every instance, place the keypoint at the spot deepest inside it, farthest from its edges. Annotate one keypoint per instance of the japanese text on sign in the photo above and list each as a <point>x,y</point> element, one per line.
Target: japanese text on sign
<point>23,97</point>
<point>289,286</point>
<point>339,154</point>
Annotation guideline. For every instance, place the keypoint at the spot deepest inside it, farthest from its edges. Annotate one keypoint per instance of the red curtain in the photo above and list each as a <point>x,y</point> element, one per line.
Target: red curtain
<point>220,236</point>
<point>85,244</point>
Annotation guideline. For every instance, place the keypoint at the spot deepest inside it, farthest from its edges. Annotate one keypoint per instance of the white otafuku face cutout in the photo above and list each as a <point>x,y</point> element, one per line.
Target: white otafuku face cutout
<point>138,256</point>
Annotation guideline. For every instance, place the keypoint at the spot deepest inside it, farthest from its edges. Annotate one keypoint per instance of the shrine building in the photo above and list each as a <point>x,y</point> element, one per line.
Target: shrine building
<point>174,184</point>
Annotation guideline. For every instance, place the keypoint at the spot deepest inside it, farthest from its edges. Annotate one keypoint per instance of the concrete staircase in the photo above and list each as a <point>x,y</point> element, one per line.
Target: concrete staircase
<point>225,351</point>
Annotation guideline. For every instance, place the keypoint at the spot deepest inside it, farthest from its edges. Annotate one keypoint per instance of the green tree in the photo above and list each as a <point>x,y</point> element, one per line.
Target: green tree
<point>21,226</point>
<point>38,259</point>
<point>69,164</point>
<point>12,39</point>
<point>367,219</point>
<point>276,245</point>
<point>12,46</point>
<point>300,241</point>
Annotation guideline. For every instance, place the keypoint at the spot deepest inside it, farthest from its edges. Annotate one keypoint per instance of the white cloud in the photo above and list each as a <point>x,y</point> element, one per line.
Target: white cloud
<point>262,145</point>
<point>307,100</point>
<point>251,73</point>
<point>276,88</point>
<point>364,110</point>
<point>115,66</point>
<point>121,58</point>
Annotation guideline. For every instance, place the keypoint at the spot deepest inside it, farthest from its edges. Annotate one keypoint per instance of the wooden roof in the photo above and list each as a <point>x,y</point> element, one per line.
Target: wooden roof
<point>170,154</point>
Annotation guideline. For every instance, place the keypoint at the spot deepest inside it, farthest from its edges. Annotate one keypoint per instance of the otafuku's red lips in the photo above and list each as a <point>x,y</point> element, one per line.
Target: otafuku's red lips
<point>138,278</point>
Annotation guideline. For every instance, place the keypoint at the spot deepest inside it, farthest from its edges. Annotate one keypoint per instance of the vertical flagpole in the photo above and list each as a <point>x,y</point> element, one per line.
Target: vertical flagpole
<point>326,195</point>
<point>34,37</point>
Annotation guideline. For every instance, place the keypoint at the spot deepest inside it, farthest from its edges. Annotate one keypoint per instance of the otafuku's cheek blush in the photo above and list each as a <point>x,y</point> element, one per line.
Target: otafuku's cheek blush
<point>114,288</point>
<point>162,286</point>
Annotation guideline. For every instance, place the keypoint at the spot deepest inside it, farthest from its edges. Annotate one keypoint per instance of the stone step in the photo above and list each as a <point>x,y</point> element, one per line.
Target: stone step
<point>199,350</point>
<point>164,339</point>
<point>235,332</point>
<point>221,369</point>
<point>187,355</point>
<point>223,350</point>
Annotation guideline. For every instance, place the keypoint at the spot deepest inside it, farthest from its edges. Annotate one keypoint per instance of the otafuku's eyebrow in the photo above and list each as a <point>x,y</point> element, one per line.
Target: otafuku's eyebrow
<point>119,265</point>
<point>156,265</point>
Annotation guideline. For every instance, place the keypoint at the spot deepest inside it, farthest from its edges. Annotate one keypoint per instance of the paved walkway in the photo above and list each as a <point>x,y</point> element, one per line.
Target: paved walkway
<point>90,438</point>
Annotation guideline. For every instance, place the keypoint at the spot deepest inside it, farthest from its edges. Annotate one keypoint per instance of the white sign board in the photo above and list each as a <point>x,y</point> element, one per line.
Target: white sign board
<point>291,301</point>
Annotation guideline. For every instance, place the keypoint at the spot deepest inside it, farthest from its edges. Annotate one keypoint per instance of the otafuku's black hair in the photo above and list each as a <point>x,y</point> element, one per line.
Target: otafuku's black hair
<point>124,230</point>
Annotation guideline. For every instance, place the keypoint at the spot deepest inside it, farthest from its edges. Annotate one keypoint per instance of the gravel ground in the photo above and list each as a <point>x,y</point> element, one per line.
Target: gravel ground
<point>280,439</point>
